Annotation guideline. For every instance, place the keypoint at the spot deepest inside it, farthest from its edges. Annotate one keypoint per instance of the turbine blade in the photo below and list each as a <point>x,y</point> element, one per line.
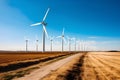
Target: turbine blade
<point>36,24</point>
<point>46,14</point>
<point>68,38</point>
<point>63,32</point>
<point>64,40</point>
<point>73,39</point>
<point>36,37</point>
<point>45,31</point>
<point>51,37</point>
<point>58,36</point>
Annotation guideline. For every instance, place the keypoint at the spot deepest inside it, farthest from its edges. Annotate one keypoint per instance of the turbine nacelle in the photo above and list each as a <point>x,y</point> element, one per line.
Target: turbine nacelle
<point>37,40</point>
<point>63,36</point>
<point>44,23</point>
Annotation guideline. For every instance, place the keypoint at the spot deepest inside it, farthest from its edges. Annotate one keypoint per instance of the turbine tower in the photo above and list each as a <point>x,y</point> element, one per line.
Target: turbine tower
<point>37,43</point>
<point>51,42</point>
<point>44,24</point>
<point>69,43</point>
<point>82,45</point>
<point>78,46</point>
<point>75,42</point>
<point>63,39</point>
<point>26,43</point>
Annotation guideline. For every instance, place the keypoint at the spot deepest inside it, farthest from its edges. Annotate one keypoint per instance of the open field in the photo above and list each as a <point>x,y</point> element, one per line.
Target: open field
<point>102,66</point>
<point>14,64</point>
<point>85,66</point>
<point>13,56</point>
<point>90,66</point>
<point>45,70</point>
<point>69,71</point>
<point>14,60</point>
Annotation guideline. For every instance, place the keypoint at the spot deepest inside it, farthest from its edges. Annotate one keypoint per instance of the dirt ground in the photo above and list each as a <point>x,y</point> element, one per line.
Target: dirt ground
<point>85,66</point>
<point>102,66</point>
<point>16,56</point>
<point>69,71</point>
<point>90,66</point>
<point>47,69</point>
<point>17,64</point>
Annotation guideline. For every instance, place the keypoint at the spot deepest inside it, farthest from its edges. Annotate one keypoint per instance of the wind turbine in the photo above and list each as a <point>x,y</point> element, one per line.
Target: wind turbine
<point>44,24</point>
<point>37,43</point>
<point>69,43</point>
<point>26,43</point>
<point>75,42</point>
<point>78,46</point>
<point>82,45</point>
<point>85,45</point>
<point>51,40</point>
<point>63,39</point>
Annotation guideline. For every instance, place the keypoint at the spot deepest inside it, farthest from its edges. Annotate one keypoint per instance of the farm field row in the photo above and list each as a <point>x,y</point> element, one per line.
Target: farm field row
<point>102,66</point>
<point>86,66</point>
<point>22,67</point>
<point>90,66</point>
<point>9,57</point>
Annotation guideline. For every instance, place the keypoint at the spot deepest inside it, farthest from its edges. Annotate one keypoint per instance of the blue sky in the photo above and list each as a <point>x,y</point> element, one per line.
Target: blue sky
<point>88,20</point>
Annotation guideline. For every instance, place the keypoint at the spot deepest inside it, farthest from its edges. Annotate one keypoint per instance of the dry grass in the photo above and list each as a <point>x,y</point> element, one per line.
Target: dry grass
<point>92,66</point>
<point>95,66</point>
<point>102,66</point>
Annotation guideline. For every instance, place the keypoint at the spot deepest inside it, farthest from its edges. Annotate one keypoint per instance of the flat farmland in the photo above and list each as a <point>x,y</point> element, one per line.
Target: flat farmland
<point>9,57</point>
<point>14,60</point>
<point>90,66</point>
<point>17,63</point>
<point>85,66</point>
<point>102,66</point>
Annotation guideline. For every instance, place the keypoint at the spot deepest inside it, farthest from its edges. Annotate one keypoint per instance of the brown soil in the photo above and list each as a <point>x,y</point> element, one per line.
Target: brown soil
<point>15,56</point>
<point>13,69</point>
<point>90,66</point>
<point>70,71</point>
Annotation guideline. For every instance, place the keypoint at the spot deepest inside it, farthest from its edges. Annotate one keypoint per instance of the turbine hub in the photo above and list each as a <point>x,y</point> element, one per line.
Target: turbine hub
<point>43,23</point>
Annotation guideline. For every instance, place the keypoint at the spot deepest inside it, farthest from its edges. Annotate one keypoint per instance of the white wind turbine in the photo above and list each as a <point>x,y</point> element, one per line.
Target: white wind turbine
<point>69,43</point>
<point>63,39</point>
<point>82,45</point>
<point>78,46</point>
<point>43,23</point>
<point>75,42</point>
<point>37,43</point>
<point>51,43</point>
<point>85,45</point>
<point>26,43</point>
